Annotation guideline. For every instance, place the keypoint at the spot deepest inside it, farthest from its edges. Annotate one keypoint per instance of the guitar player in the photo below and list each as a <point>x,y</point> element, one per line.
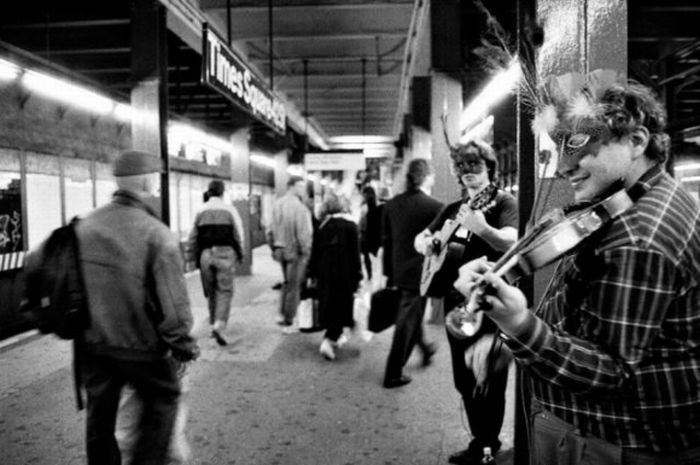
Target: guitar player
<point>489,221</point>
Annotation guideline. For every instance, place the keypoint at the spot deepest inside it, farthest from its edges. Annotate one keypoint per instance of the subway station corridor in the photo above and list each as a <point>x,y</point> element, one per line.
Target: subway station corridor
<point>266,398</point>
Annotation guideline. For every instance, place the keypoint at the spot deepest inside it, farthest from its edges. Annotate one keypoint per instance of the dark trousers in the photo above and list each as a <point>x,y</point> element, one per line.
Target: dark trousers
<point>485,408</point>
<point>408,332</point>
<point>155,382</point>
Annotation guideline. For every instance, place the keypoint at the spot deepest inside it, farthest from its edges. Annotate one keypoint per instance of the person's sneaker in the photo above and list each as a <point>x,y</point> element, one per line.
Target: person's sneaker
<point>289,329</point>
<point>326,349</point>
<point>402,380</point>
<point>277,286</point>
<point>218,337</point>
<point>342,340</point>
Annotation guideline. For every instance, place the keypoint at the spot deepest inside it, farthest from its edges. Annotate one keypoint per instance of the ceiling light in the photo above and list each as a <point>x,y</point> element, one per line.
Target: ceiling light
<point>8,71</point>
<point>691,179</point>
<point>263,161</point>
<point>686,167</point>
<point>500,86</point>
<point>66,92</point>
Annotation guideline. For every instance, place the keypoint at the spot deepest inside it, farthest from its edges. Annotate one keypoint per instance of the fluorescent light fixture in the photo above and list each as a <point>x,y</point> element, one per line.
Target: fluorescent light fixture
<point>379,152</point>
<point>295,170</point>
<point>686,167</point>
<point>691,179</point>
<point>480,131</point>
<point>8,71</point>
<point>185,134</point>
<point>263,161</point>
<point>500,86</point>
<point>66,92</point>
<point>360,140</point>
<point>125,112</point>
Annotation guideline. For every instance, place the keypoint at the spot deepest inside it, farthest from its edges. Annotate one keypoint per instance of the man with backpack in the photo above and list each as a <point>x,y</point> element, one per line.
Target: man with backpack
<point>139,313</point>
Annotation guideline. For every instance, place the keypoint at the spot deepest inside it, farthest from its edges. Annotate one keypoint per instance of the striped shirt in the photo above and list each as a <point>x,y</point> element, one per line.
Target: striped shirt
<point>614,346</point>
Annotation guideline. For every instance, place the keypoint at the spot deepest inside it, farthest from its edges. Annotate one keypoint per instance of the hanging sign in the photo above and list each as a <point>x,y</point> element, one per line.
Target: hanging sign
<point>224,72</point>
<point>334,161</point>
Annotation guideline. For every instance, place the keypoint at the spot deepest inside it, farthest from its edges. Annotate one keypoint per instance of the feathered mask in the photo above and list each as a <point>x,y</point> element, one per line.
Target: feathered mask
<point>573,103</point>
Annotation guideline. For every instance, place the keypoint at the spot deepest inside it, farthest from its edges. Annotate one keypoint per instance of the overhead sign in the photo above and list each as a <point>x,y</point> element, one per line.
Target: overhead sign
<point>334,161</point>
<point>223,71</point>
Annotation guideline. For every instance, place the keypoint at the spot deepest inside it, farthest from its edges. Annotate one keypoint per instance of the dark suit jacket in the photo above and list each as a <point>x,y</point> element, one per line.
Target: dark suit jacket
<point>403,218</point>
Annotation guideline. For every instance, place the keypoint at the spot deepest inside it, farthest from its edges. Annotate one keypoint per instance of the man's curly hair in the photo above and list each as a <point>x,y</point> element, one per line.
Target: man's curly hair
<point>463,153</point>
<point>626,108</point>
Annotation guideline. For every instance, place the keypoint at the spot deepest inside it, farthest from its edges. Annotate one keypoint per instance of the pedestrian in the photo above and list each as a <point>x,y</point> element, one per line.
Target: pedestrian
<point>403,218</point>
<point>611,352</point>
<point>370,229</point>
<point>217,242</point>
<point>487,220</point>
<point>291,238</point>
<point>140,318</point>
<point>335,267</point>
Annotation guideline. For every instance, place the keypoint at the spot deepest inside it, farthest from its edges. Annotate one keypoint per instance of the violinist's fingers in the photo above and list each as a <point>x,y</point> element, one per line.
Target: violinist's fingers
<point>502,296</point>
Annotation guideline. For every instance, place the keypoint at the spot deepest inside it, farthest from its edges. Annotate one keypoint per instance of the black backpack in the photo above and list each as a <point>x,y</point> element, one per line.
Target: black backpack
<point>54,292</point>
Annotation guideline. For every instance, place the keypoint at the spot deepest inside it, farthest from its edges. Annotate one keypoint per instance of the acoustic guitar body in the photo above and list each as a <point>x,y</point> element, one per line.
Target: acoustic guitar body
<point>441,270</point>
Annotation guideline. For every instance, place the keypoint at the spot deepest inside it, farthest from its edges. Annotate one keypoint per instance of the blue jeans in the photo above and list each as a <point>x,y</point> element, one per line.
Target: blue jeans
<point>217,270</point>
<point>559,443</point>
<point>294,275</point>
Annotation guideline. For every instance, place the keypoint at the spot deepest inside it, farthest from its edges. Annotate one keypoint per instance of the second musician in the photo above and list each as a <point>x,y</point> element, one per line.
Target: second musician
<point>487,229</point>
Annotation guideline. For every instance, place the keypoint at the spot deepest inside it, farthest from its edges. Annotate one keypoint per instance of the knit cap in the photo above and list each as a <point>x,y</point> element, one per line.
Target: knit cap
<point>134,162</point>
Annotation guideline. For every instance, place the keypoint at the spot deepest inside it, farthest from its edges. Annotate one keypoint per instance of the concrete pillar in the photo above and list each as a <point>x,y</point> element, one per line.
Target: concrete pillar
<point>240,192</point>
<point>149,95</point>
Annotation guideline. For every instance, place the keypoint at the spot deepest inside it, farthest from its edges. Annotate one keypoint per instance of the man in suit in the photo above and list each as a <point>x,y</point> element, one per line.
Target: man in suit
<point>403,218</point>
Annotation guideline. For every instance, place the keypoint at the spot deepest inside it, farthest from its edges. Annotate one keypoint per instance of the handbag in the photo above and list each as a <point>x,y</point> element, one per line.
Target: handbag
<point>384,306</point>
<point>307,316</point>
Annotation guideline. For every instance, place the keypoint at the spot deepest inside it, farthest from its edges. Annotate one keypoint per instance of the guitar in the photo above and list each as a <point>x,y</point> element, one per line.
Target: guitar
<point>444,257</point>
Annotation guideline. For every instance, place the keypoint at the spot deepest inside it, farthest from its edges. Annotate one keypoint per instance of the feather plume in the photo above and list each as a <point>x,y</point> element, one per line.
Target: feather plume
<point>545,120</point>
<point>581,107</point>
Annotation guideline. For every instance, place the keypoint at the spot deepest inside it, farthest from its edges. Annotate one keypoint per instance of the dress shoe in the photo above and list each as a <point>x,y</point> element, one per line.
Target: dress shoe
<point>219,337</point>
<point>326,349</point>
<point>397,382</point>
<point>428,353</point>
<point>289,329</point>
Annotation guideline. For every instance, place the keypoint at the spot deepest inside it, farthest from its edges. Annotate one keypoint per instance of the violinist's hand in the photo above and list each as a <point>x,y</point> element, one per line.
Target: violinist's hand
<point>508,304</point>
<point>470,274</point>
<point>472,220</point>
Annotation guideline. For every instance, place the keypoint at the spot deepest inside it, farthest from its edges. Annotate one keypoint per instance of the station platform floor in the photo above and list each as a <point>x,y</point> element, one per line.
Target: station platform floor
<point>267,398</point>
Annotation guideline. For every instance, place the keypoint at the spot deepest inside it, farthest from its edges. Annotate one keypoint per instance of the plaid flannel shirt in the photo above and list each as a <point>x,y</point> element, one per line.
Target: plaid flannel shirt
<point>614,346</point>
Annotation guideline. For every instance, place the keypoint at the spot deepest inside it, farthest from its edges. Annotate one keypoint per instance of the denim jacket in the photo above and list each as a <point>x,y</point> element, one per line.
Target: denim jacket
<point>133,272</point>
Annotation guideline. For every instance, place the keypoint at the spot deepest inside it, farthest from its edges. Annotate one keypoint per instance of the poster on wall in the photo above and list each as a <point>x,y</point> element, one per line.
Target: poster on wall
<point>11,235</point>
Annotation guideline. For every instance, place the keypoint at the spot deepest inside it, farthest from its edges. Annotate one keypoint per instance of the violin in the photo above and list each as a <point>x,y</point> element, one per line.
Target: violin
<point>550,239</point>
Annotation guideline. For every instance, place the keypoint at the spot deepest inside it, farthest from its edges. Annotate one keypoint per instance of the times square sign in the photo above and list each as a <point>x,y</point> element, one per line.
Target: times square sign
<point>223,71</point>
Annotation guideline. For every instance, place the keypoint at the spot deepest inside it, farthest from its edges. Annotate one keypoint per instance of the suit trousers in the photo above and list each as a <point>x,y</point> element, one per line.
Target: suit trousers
<point>484,409</point>
<point>216,271</point>
<point>408,332</point>
<point>155,382</point>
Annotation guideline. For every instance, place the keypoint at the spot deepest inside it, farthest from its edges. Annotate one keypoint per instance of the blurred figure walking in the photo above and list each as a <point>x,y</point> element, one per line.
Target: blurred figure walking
<point>291,238</point>
<point>335,266</point>
<point>404,217</point>
<point>216,242</point>
<point>140,318</point>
